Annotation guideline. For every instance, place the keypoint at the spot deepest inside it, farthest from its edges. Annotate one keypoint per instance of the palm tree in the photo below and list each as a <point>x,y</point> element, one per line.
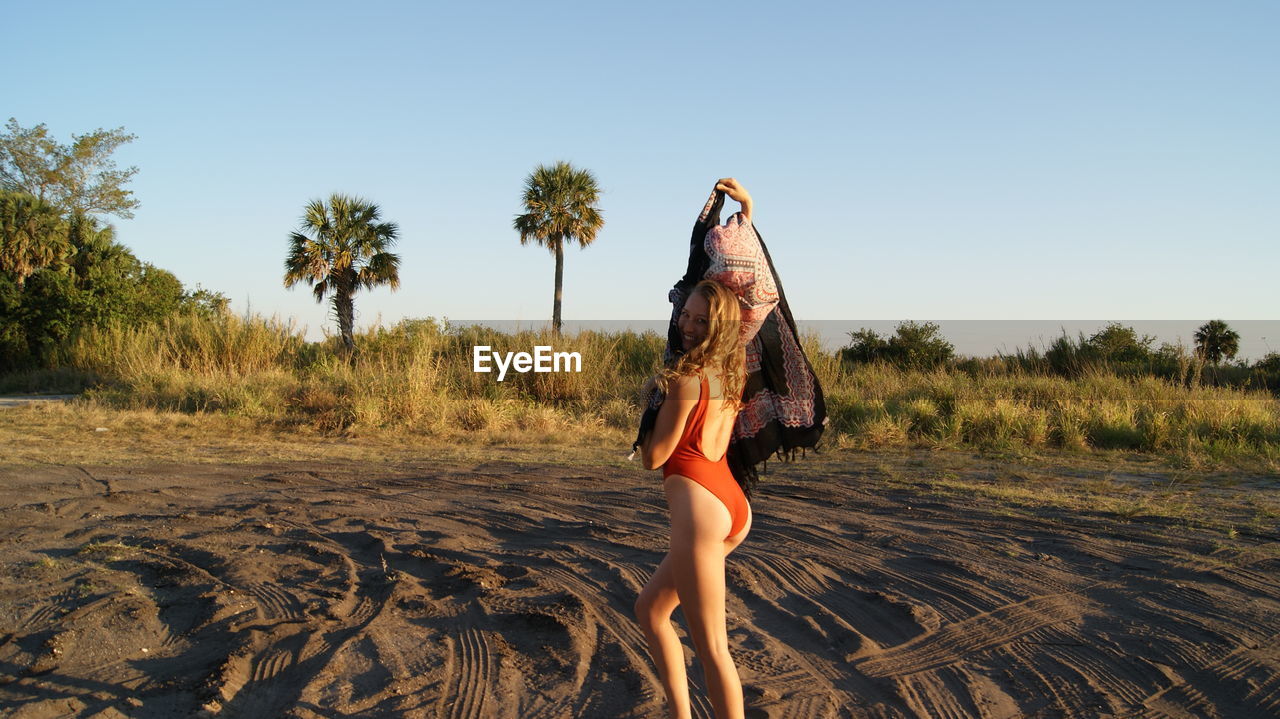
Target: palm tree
<point>1215,340</point>
<point>559,204</point>
<point>342,247</point>
<point>32,235</point>
<point>91,245</point>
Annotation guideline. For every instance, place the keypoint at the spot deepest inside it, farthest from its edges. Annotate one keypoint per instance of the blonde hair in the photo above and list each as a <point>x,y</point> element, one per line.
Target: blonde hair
<point>719,350</point>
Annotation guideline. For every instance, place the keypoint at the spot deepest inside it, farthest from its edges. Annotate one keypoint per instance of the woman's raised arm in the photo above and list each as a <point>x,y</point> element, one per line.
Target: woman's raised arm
<point>738,193</point>
<point>737,261</point>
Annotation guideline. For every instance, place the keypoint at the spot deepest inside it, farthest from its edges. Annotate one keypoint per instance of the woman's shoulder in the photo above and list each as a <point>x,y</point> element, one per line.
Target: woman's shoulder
<point>715,383</point>
<point>687,386</point>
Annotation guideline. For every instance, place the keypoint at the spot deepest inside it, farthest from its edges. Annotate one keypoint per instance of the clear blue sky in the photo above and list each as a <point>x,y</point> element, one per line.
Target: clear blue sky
<point>925,160</point>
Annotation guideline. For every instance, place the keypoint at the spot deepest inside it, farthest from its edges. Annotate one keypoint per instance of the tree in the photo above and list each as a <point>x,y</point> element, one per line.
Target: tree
<point>341,248</point>
<point>206,303</point>
<point>919,345</point>
<point>1119,343</point>
<point>914,345</point>
<point>99,283</point>
<point>1269,363</point>
<point>14,351</point>
<point>52,309</point>
<point>1215,340</point>
<point>32,235</point>
<point>559,204</point>
<point>76,178</point>
<point>864,346</point>
<point>93,247</point>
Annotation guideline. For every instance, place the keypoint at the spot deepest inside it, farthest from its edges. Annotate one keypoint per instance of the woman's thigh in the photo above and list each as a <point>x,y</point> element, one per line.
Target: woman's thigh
<point>699,523</point>
<point>697,515</point>
<point>659,594</point>
<point>659,597</point>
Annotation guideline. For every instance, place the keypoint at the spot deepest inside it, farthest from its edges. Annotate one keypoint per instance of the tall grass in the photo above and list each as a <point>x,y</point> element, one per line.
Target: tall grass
<point>417,376</point>
<point>879,405</point>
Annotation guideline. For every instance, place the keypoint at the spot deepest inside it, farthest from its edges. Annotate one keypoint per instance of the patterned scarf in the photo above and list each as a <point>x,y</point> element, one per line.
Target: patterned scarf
<point>783,409</point>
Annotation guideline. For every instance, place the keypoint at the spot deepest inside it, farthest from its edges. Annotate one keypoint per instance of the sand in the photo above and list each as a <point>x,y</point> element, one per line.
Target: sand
<point>505,589</point>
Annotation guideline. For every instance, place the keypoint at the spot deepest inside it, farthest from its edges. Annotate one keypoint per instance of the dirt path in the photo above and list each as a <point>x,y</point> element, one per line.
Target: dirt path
<point>505,590</point>
<point>8,401</point>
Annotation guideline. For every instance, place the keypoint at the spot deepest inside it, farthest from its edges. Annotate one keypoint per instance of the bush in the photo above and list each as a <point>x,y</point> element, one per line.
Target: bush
<point>1118,344</point>
<point>91,281</point>
<point>913,346</point>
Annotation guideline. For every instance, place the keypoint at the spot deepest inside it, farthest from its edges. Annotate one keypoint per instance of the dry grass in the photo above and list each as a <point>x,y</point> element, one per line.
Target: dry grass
<point>86,432</point>
<point>258,378</point>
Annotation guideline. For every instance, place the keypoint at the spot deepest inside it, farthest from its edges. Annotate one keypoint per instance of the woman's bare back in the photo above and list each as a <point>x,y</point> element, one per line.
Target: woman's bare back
<point>717,427</point>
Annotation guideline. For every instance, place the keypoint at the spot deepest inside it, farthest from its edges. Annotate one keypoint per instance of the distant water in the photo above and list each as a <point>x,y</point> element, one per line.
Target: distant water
<point>974,338</point>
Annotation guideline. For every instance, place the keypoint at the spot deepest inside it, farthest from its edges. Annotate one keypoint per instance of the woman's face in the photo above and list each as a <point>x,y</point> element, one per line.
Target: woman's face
<point>693,321</point>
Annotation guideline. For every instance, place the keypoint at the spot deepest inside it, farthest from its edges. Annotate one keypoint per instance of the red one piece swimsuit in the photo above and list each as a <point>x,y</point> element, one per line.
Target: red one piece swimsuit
<point>688,461</point>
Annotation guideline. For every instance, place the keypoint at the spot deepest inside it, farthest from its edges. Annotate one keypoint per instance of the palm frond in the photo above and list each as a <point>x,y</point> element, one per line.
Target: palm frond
<point>382,269</point>
<point>559,204</point>
<point>340,246</point>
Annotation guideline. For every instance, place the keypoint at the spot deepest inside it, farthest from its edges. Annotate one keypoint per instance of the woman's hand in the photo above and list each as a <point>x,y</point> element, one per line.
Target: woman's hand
<point>737,192</point>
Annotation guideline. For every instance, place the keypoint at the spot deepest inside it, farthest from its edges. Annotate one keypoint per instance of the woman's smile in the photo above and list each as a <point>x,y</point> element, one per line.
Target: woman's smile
<point>693,321</point>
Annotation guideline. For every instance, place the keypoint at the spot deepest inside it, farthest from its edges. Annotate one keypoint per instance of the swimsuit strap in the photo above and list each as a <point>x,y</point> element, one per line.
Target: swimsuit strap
<point>693,428</point>
<point>699,413</point>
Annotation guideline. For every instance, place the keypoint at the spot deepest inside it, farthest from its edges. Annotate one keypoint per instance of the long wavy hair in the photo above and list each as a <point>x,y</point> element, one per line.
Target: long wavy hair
<point>719,350</point>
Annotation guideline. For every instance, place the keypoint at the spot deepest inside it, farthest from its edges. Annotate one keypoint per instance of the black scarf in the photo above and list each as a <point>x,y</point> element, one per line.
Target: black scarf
<point>783,408</point>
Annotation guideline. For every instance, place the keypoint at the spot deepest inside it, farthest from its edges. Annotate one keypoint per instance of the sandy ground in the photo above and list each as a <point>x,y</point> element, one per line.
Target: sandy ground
<point>505,589</point>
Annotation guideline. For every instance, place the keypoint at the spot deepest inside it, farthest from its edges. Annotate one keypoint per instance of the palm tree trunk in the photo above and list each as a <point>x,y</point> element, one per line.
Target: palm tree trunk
<point>555,310</point>
<point>344,308</point>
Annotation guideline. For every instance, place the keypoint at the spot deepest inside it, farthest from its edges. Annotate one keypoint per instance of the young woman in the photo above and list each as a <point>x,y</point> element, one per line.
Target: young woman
<point>736,390</point>
<point>710,515</point>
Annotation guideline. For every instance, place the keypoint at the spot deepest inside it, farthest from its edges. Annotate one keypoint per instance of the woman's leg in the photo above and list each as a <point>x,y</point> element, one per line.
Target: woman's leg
<point>699,523</point>
<point>653,609</point>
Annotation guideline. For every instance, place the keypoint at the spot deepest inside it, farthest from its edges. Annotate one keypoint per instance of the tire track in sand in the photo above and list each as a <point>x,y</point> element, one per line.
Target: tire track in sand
<point>248,680</point>
<point>1062,691</point>
<point>982,632</point>
<point>470,666</point>
<point>621,627</point>
<point>796,640</point>
<point>275,603</point>
<point>278,665</point>
<point>576,703</point>
<point>611,626</point>
<point>1248,667</point>
<point>929,696</point>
